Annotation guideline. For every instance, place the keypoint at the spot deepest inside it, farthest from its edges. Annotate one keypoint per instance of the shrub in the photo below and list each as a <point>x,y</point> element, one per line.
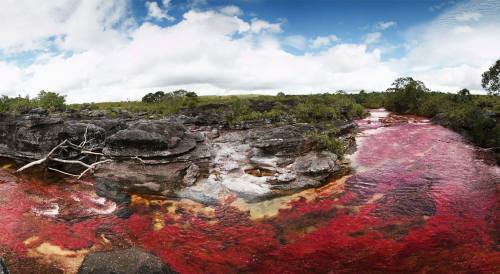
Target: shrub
<point>51,101</point>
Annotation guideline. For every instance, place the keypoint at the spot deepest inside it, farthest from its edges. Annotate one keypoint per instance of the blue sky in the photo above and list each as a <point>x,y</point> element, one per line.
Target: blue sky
<point>97,50</point>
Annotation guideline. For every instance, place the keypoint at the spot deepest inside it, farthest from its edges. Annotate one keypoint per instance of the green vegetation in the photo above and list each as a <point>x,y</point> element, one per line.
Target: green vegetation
<point>235,109</point>
<point>49,101</point>
<point>491,79</point>
<point>328,140</point>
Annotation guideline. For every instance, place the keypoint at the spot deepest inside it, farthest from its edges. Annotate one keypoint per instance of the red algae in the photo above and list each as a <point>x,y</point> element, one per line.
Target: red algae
<point>418,202</point>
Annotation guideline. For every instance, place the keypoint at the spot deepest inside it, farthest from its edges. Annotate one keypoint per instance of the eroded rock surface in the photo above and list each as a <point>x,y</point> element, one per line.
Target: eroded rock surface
<point>183,156</point>
<point>127,261</point>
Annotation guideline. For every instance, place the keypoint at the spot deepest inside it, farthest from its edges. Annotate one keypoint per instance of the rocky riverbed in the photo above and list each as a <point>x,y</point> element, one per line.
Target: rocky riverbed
<point>182,156</point>
<point>418,200</point>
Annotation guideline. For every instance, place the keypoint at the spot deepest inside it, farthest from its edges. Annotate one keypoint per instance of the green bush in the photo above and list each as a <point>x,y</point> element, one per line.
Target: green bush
<point>51,101</point>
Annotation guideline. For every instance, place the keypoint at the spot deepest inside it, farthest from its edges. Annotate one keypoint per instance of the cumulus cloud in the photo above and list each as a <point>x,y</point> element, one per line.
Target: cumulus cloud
<point>102,54</point>
<point>231,10</point>
<point>156,12</point>
<point>258,25</point>
<point>323,41</point>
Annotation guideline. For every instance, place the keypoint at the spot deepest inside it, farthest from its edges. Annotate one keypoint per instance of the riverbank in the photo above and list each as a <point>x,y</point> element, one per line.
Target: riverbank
<point>476,117</point>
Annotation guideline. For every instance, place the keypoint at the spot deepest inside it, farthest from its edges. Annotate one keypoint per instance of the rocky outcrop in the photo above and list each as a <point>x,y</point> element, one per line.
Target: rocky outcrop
<point>127,261</point>
<point>168,158</point>
<point>262,163</point>
<point>32,136</point>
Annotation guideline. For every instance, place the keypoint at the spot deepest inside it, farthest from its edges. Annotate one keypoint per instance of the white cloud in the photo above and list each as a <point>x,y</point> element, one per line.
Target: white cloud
<point>448,55</point>
<point>296,41</point>
<point>231,10</point>
<point>258,25</point>
<point>383,25</point>
<point>102,54</point>
<point>155,12</point>
<point>201,53</point>
<point>323,41</point>
<point>468,16</point>
<point>373,37</point>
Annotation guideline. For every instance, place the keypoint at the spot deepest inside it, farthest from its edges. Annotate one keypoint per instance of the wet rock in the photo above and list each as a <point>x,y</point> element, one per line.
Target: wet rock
<point>127,261</point>
<point>117,178</point>
<point>112,190</point>
<point>124,212</point>
<point>3,267</point>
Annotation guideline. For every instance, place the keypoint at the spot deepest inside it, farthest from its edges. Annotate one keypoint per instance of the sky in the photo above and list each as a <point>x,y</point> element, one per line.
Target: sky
<point>110,50</point>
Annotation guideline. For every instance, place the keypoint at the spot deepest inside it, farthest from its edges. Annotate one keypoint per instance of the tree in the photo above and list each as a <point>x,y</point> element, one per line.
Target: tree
<point>491,79</point>
<point>406,95</point>
<point>153,97</point>
<point>51,101</point>
<point>464,92</point>
<point>191,94</point>
<point>405,82</point>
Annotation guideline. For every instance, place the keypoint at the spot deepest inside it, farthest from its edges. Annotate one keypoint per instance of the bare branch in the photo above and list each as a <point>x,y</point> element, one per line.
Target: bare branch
<point>80,148</point>
<point>41,161</point>
<point>71,162</point>
<point>82,144</point>
<point>60,171</point>
<point>92,166</point>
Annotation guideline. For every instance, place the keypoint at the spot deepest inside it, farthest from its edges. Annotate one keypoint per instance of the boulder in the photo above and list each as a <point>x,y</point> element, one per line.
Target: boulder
<point>126,261</point>
<point>316,163</point>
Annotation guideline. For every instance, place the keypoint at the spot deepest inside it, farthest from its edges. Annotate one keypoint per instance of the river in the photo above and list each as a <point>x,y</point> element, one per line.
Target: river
<point>419,200</point>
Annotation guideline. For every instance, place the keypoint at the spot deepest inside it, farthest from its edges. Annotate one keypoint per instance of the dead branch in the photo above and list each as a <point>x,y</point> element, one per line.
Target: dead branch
<point>82,144</point>
<point>81,148</point>
<point>63,172</point>
<point>92,167</point>
<point>44,159</point>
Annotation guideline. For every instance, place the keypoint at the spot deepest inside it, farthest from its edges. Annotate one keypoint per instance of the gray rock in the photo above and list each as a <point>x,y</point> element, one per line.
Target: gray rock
<point>127,261</point>
<point>192,174</point>
<point>161,138</point>
<point>117,178</point>
<point>3,267</point>
<point>316,163</point>
<point>280,141</point>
